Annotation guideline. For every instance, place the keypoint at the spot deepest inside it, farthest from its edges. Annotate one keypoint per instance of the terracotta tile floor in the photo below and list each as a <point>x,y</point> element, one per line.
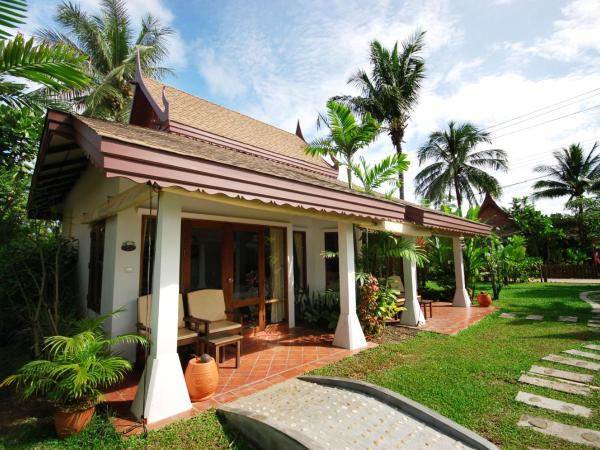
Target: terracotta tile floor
<point>267,358</point>
<point>450,320</point>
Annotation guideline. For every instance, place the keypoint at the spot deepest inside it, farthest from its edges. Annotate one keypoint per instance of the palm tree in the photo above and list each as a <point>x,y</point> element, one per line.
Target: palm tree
<point>574,175</point>
<point>52,68</point>
<point>390,92</point>
<point>346,136</point>
<point>385,171</point>
<point>458,166</point>
<point>107,41</point>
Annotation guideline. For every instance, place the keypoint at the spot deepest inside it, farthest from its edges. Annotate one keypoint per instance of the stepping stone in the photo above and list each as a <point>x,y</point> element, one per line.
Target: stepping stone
<point>554,405</point>
<point>567,319</point>
<point>567,432</point>
<point>593,325</point>
<point>593,321</point>
<point>534,317</point>
<point>564,374</point>
<point>583,354</point>
<point>556,385</point>
<point>507,315</point>
<point>572,362</point>
<point>592,346</point>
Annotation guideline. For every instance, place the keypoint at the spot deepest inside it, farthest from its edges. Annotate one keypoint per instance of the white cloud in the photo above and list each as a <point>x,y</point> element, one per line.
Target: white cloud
<point>457,71</point>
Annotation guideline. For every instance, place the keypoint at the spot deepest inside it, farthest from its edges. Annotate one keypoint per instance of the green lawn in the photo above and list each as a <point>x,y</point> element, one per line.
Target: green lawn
<point>472,377</point>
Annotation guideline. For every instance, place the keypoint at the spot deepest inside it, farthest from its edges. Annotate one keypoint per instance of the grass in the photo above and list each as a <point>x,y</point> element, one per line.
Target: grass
<point>472,377</point>
<point>595,295</point>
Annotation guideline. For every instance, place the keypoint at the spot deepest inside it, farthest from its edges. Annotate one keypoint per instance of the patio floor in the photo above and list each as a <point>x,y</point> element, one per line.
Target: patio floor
<point>268,358</point>
<point>447,319</point>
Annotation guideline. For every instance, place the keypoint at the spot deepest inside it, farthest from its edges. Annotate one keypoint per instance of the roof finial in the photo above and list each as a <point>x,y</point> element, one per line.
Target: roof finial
<point>299,131</point>
<point>165,100</point>
<point>138,66</point>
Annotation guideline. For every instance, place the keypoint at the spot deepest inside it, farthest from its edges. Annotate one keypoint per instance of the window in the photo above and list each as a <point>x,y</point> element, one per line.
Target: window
<point>299,261</point>
<point>332,264</point>
<point>95,266</point>
<point>149,240</point>
<point>206,259</point>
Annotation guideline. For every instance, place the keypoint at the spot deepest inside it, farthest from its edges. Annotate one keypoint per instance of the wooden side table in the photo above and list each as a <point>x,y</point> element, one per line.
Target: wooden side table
<point>424,304</point>
<point>219,344</point>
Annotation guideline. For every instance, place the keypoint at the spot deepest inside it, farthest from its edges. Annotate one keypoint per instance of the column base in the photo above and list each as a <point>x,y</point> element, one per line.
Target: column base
<point>461,299</point>
<point>412,316</point>
<point>166,392</point>
<point>349,333</point>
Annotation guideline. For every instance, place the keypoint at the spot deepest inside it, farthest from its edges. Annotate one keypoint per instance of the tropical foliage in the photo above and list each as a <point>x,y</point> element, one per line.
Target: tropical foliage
<point>500,259</point>
<point>346,136</point>
<point>30,71</point>
<point>391,91</point>
<point>110,45</point>
<point>385,172</point>
<point>77,367</point>
<point>458,168</point>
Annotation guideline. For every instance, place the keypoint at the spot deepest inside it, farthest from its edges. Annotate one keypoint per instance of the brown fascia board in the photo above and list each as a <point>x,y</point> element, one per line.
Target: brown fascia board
<point>195,133</point>
<point>168,169</point>
<point>438,220</point>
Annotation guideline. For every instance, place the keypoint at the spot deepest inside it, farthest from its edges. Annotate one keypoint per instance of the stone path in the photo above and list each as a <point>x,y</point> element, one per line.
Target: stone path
<point>572,434</point>
<point>556,385</point>
<point>592,347</point>
<point>320,417</point>
<point>567,318</point>
<point>507,316</point>
<point>583,354</point>
<point>563,374</point>
<point>572,362</point>
<point>553,405</point>
<point>534,317</point>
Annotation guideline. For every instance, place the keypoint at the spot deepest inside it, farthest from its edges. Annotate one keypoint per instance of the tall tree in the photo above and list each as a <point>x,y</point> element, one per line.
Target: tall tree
<point>108,42</point>
<point>346,136</point>
<point>458,165</point>
<point>29,70</point>
<point>384,172</point>
<point>573,175</point>
<point>390,92</point>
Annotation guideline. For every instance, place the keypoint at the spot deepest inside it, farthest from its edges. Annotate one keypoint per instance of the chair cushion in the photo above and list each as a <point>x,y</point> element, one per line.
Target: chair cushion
<point>223,325</point>
<point>184,333</point>
<point>145,306</point>
<point>207,304</point>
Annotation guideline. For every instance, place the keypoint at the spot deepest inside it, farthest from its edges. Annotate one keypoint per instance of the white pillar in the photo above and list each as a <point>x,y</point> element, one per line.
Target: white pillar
<point>348,333</point>
<point>164,393</point>
<point>290,277</point>
<point>461,296</point>
<point>413,315</point>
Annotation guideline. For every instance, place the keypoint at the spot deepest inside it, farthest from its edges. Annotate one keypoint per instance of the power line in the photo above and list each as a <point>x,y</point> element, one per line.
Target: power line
<point>523,182</point>
<point>543,108</point>
<point>547,121</point>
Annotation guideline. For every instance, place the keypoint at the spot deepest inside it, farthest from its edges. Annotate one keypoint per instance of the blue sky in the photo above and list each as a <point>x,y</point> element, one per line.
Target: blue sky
<point>487,61</point>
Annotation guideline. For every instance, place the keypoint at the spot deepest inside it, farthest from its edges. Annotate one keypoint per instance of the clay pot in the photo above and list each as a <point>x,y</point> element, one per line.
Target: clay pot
<point>201,378</point>
<point>68,423</point>
<point>484,299</point>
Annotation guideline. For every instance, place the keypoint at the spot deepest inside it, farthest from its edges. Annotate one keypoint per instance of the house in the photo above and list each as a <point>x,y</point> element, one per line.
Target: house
<point>495,216</point>
<point>190,195</point>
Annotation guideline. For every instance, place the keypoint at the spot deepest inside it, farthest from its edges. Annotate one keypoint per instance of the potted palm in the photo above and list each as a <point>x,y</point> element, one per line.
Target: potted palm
<point>75,371</point>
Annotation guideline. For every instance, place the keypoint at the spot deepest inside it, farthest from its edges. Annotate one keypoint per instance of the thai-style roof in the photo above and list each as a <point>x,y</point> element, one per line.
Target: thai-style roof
<point>173,160</point>
<point>494,215</point>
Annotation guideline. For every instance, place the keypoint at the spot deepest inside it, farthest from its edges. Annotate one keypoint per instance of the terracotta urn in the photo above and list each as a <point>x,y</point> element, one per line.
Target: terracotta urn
<point>484,299</point>
<point>201,377</point>
<point>72,422</point>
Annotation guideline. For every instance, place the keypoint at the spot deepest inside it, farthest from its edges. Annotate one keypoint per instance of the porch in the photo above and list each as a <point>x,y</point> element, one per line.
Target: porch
<point>269,357</point>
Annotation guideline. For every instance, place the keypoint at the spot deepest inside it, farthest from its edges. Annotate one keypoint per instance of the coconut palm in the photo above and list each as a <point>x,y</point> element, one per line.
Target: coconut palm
<point>346,136</point>
<point>574,175</point>
<point>51,69</point>
<point>385,171</point>
<point>108,42</point>
<point>458,166</point>
<point>390,92</point>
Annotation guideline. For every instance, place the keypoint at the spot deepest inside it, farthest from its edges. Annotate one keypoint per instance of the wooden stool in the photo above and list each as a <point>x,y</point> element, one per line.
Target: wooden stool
<point>424,304</point>
<point>218,342</point>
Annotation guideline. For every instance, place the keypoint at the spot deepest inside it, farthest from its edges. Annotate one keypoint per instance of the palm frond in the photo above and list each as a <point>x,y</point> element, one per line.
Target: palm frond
<point>12,14</point>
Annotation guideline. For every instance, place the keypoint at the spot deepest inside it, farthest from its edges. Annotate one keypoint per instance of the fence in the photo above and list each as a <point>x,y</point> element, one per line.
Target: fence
<point>570,271</point>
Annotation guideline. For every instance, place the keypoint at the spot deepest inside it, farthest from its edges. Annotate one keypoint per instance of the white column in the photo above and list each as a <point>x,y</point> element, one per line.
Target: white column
<point>461,296</point>
<point>290,276</point>
<point>348,333</point>
<point>164,393</point>
<point>413,315</point>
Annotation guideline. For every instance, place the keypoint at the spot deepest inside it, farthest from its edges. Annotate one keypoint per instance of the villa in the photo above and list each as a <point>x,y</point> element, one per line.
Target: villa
<point>191,196</point>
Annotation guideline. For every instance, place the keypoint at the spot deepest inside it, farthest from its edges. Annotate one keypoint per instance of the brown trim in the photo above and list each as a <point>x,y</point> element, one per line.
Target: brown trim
<point>438,220</point>
<point>211,138</point>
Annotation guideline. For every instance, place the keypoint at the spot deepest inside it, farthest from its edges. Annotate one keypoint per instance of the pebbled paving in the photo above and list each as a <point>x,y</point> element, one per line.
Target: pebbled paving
<point>338,419</point>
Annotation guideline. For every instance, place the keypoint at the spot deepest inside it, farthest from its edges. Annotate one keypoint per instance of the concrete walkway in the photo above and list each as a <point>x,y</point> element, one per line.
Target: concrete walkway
<point>302,414</point>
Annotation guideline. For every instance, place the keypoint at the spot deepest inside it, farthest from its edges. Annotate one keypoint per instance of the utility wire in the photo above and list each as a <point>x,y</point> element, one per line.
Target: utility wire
<point>543,108</point>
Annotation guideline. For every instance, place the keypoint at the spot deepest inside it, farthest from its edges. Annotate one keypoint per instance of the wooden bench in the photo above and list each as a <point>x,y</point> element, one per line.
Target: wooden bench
<point>220,343</point>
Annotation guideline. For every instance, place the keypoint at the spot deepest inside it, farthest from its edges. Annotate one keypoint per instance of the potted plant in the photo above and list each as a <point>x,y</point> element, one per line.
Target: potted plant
<point>75,371</point>
<point>201,377</point>
<point>484,299</point>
